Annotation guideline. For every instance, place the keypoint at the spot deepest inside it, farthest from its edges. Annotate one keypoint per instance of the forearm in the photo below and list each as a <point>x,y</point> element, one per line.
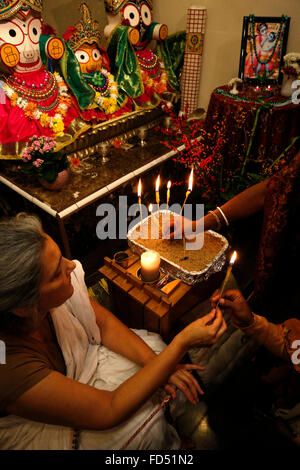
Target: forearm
<point>119,338</point>
<point>267,334</point>
<point>243,205</point>
<point>129,396</point>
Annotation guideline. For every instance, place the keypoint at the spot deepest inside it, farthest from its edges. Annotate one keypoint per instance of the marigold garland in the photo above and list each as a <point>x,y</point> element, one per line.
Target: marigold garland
<point>109,104</point>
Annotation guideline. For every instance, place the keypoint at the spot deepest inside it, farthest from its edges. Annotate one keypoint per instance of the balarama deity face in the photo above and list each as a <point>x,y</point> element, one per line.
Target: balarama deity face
<point>89,58</point>
<point>21,32</point>
<point>138,14</point>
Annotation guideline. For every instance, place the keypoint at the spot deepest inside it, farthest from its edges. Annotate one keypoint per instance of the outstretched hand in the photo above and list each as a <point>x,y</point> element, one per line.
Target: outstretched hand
<point>186,382</point>
<point>205,330</point>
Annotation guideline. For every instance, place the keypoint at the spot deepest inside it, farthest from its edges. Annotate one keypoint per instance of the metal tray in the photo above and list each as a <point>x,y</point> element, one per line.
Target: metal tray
<point>189,277</point>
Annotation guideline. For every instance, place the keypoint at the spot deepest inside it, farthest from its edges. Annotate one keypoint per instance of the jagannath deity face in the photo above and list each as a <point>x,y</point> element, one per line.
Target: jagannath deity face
<point>138,15</point>
<point>19,41</point>
<point>89,58</point>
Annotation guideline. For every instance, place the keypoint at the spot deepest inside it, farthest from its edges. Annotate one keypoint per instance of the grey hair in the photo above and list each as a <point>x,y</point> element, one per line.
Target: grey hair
<point>21,243</point>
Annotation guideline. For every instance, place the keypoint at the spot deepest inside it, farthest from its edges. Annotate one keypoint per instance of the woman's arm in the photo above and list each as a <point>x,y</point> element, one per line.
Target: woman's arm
<point>243,205</point>
<point>119,338</point>
<point>62,401</point>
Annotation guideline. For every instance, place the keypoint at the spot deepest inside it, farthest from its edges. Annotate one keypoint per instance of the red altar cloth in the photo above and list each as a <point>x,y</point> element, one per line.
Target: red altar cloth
<point>234,117</point>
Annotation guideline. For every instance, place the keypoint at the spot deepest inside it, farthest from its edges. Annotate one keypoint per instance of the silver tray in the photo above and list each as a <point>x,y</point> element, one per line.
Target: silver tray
<point>189,277</point>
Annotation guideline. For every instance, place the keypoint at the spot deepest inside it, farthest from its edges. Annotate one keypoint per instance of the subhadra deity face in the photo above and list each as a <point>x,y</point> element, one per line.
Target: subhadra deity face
<point>89,58</point>
<point>138,15</point>
<point>19,41</point>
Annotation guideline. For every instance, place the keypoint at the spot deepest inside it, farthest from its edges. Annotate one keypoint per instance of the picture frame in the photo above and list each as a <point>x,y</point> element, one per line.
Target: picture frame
<point>264,41</point>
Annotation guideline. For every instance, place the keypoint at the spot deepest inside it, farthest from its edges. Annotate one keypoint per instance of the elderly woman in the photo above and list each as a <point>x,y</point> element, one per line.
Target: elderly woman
<point>73,371</point>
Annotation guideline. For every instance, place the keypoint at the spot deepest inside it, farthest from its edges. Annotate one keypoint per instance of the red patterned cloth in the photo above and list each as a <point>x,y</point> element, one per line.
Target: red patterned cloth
<point>276,292</point>
<point>234,117</point>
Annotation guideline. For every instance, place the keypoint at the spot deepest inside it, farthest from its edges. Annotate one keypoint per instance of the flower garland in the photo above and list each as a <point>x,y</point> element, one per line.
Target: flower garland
<point>34,111</point>
<point>159,86</point>
<point>108,103</point>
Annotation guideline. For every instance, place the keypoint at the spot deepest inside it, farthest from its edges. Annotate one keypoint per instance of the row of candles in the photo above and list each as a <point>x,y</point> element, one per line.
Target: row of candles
<point>150,260</point>
<point>157,192</point>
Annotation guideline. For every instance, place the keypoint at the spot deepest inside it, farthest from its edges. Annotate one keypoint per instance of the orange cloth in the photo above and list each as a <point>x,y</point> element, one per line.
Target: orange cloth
<point>276,338</point>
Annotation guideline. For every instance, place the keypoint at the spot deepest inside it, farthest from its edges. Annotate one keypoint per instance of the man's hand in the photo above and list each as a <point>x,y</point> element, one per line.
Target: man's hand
<point>235,306</point>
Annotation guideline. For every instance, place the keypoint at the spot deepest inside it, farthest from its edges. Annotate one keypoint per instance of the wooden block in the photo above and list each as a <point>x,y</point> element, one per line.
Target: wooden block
<point>153,292</point>
<point>180,292</point>
<point>153,314</point>
<point>137,299</point>
<point>107,272</point>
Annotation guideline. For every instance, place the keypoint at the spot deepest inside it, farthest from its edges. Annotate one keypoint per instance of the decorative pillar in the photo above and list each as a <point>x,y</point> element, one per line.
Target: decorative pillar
<point>196,23</point>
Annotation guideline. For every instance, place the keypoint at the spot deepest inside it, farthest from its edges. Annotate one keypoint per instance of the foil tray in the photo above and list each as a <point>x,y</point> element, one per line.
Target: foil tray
<point>189,277</point>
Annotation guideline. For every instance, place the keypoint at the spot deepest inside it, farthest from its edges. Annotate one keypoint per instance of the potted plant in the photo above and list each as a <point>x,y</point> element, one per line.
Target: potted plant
<point>42,160</point>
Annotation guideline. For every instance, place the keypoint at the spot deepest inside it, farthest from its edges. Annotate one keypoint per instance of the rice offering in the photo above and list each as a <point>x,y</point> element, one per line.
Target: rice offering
<point>173,250</point>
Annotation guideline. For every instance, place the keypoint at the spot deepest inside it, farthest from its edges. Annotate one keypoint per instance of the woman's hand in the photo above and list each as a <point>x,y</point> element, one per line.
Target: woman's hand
<point>178,227</point>
<point>206,330</point>
<point>186,382</point>
<point>235,306</point>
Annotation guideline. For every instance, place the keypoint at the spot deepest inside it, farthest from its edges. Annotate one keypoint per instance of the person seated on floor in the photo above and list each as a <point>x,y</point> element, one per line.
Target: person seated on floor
<point>282,340</point>
<point>73,370</point>
<point>278,197</point>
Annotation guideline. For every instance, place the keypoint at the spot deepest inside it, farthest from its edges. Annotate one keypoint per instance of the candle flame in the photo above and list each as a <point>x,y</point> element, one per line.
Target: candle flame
<point>233,258</point>
<point>191,180</point>
<point>157,183</point>
<point>150,208</point>
<point>140,188</point>
<point>169,185</point>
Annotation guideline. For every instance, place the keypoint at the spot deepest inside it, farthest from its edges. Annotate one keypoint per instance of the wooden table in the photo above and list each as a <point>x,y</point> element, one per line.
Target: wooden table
<point>259,121</point>
<point>91,182</point>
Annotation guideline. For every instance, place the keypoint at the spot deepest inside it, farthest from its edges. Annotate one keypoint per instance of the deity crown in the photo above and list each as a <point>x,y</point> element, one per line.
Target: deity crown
<point>85,31</point>
<point>114,6</point>
<point>9,8</point>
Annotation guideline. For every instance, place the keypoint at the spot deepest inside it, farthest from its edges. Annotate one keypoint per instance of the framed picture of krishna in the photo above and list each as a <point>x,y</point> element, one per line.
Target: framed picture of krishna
<point>264,41</point>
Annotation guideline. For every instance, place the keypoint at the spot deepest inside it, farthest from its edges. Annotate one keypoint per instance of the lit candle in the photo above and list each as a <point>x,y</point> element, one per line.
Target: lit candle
<point>231,263</point>
<point>150,264</point>
<point>168,193</point>
<point>157,191</point>
<point>190,189</point>
<point>140,197</point>
<point>152,215</point>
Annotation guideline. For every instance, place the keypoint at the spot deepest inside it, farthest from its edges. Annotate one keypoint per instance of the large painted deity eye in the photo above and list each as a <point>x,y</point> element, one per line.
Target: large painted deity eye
<point>82,56</point>
<point>96,54</point>
<point>132,14</point>
<point>35,30</point>
<point>146,14</point>
<point>11,33</point>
